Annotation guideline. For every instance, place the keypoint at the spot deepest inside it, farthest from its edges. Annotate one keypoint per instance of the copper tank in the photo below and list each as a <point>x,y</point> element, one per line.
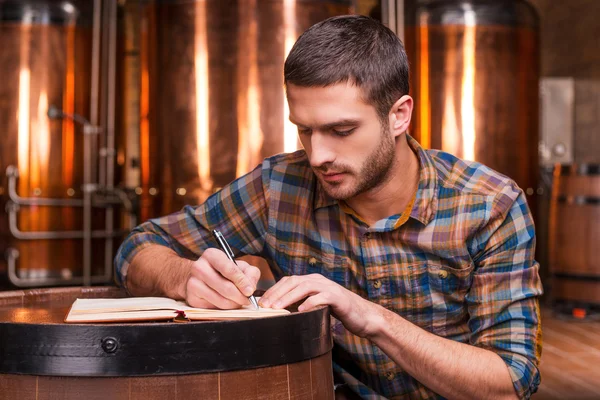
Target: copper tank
<point>45,61</point>
<point>474,77</point>
<point>212,102</point>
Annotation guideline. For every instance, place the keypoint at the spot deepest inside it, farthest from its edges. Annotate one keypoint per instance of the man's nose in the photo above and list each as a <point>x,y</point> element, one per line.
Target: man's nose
<point>323,151</point>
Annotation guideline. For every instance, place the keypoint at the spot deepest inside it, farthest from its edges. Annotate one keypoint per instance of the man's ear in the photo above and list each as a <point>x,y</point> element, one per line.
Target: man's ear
<point>400,114</point>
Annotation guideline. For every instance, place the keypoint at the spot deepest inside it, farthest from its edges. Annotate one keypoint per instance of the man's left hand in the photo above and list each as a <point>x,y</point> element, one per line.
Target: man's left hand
<point>352,310</point>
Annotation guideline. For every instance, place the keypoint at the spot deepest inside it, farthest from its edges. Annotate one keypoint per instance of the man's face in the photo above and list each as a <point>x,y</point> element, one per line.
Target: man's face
<point>349,149</point>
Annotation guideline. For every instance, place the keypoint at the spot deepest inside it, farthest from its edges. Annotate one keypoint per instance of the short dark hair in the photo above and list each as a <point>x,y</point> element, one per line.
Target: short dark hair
<point>351,48</point>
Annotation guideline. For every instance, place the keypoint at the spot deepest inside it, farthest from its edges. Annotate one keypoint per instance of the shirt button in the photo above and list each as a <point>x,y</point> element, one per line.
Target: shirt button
<point>443,274</point>
<point>312,261</point>
<point>377,284</point>
<point>390,375</point>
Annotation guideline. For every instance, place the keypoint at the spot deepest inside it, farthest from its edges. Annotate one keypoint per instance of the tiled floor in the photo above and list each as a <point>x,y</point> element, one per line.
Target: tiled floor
<point>570,365</point>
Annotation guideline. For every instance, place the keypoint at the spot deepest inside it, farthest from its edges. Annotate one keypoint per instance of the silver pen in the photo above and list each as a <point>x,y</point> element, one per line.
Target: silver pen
<point>227,250</point>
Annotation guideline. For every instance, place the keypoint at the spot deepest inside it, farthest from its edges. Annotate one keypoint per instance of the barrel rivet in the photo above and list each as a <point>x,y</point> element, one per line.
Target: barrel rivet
<point>110,345</point>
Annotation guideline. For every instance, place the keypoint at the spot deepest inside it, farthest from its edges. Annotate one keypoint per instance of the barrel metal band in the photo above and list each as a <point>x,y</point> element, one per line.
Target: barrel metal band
<point>576,277</point>
<point>578,200</point>
<point>149,349</point>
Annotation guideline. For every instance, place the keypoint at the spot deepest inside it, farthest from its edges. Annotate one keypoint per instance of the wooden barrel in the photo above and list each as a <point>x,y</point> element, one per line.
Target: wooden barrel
<point>271,358</point>
<point>575,234</point>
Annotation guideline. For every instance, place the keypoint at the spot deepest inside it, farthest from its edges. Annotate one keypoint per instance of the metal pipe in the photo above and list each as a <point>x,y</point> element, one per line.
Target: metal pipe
<point>12,174</point>
<point>12,209</point>
<point>88,188</point>
<point>110,128</point>
<point>388,14</point>
<point>392,15</point>
<point>128,206</point>
<point>400,19</point>
<point>104,55</point>
<point>12,255</point>
<point>95,79</point>
<point>87,152</point>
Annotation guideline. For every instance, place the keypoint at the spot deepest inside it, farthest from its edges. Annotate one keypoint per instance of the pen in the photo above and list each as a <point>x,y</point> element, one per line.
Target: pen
<point>227,250</point>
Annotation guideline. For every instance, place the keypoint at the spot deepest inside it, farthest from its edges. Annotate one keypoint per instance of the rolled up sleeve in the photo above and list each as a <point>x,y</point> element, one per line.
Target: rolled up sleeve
<point>503,300</point>
<point>239,211</point>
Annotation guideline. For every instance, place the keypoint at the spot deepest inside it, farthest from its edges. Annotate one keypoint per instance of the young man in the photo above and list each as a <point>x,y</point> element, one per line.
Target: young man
<point>426,260</point>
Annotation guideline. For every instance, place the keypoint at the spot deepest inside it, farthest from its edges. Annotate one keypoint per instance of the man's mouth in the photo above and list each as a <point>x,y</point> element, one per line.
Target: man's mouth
<point>332,176</point>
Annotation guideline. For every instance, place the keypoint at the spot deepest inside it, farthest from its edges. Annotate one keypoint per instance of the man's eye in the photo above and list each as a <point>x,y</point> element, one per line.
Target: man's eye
<point>303,131</point>
<point>342,132</point>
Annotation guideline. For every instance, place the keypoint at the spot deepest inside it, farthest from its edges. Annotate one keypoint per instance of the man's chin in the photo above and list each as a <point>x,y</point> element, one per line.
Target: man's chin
<point>337,192</point>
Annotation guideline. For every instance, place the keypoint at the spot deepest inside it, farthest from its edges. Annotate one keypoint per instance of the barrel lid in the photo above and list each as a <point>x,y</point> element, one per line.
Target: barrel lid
<point>46,12</point>
<point>37,347</point>
<point>578,169</point>
<point>475,12</point>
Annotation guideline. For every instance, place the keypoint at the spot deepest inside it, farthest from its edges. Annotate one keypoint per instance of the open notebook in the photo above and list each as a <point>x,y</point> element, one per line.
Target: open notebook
<point>155,308</point>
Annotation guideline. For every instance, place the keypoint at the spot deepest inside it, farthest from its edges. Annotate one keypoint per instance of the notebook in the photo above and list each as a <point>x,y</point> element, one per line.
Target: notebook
<point>156,308</point>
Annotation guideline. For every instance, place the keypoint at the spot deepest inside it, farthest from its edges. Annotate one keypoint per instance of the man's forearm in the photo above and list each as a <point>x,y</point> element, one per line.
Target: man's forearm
<point>452,369</point>
<point>158,271</point>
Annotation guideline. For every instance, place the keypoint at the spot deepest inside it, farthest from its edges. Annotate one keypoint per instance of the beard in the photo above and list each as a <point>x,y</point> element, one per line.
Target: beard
<point>373,172</point>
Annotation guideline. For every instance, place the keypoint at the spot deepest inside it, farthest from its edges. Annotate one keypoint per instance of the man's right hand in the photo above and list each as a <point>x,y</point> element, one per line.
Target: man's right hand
<point>217,282</point>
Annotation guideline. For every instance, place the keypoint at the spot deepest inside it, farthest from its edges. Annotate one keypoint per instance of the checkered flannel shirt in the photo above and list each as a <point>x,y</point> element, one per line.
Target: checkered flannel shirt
<point>459,262</point>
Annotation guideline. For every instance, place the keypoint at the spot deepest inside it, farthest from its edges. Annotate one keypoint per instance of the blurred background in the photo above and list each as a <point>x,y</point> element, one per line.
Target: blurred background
<point>114,112</point>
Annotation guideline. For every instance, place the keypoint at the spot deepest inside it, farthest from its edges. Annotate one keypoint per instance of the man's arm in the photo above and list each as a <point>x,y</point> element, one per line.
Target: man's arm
<point>158,271</point>
<point>176,255</point>
<point>454,370</point>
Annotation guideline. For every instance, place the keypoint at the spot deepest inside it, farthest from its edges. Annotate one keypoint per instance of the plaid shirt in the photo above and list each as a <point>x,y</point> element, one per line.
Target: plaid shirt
<point>459,264</point>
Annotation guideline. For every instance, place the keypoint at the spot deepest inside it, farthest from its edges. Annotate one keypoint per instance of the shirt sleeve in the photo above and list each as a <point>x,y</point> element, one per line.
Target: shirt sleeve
<point>239,211</point>
<point>504,313</point>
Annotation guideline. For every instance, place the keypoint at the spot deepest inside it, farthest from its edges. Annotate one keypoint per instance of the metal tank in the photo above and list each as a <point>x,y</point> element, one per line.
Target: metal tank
<point>474,77</point>
<point>212,102</point>
<point>51,216</point>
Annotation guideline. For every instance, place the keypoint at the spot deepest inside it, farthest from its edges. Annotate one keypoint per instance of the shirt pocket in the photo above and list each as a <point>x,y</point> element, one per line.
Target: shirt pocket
<point>452,283</point>
<point>439,294</point>
<point>311,262</point>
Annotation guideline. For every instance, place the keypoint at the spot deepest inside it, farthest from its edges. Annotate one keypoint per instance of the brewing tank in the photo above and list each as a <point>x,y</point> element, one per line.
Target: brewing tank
<point>212,101</point>
<point>44,62</point>
<point>474,77</point>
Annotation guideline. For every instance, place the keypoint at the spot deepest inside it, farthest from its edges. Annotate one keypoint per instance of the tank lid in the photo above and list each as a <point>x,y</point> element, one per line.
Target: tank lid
<point>342,2</point>
<point>476,12</point>
<point>579,169</point>
<point>56,12</point>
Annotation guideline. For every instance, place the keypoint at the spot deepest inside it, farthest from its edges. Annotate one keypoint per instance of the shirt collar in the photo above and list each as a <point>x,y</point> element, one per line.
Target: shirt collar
<point>425,204</point>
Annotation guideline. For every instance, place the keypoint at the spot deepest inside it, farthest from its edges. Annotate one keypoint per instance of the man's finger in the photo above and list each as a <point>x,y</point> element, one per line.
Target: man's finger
<point>297,293</point>
<point>250,271</point>
<point>314,301</point>
<point>275,292</point>
<point>219,284</point>
<point>230,271</point>
<point>201,290</point>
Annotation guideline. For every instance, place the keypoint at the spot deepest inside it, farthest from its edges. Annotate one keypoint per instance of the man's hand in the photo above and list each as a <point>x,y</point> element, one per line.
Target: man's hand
<point>216,282</point>
<point>352,310</point>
